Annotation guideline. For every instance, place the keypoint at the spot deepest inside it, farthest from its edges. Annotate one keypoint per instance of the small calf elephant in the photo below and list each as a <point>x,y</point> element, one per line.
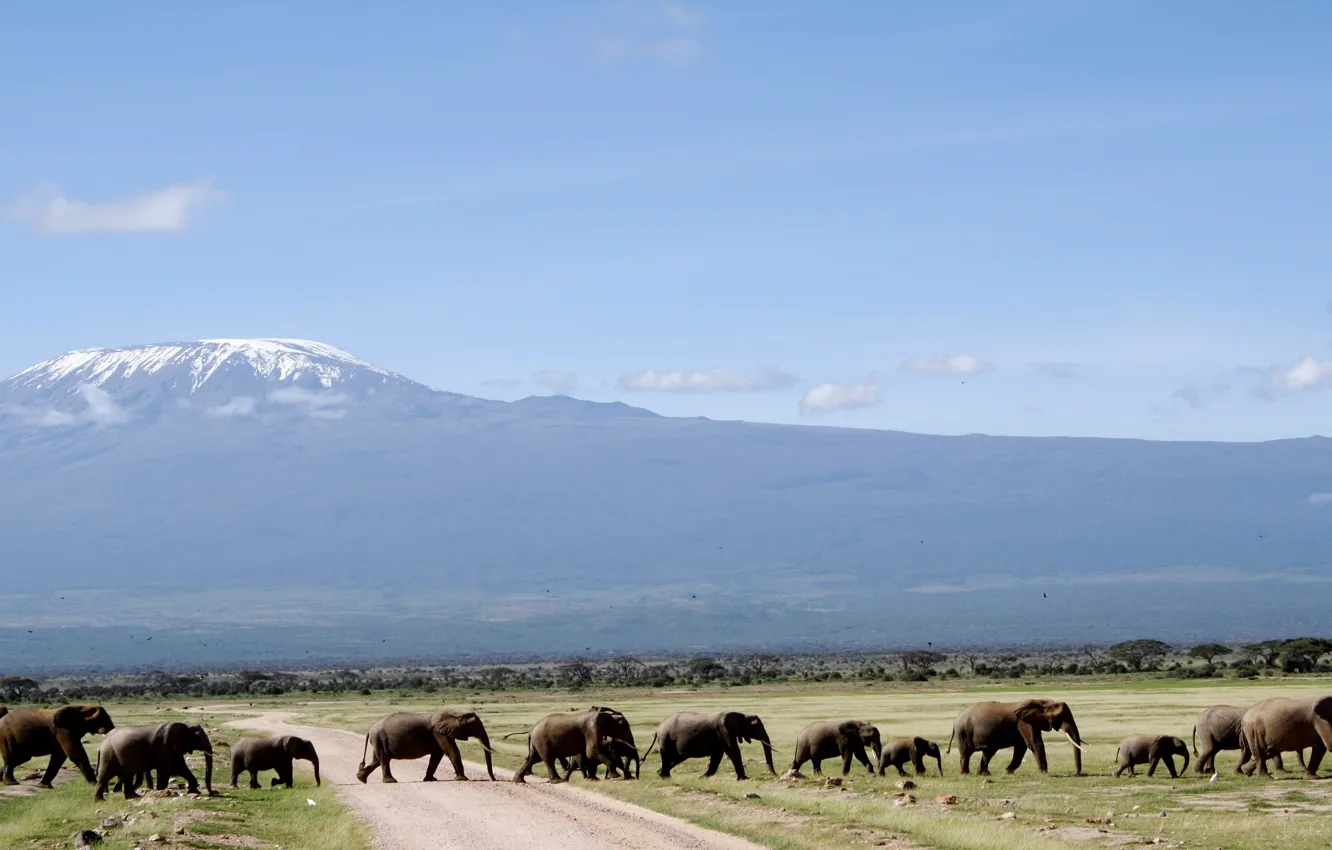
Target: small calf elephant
<point>1151,750</point>
<point>830,739</point>
<point>622,753</point>
<point>899,752</point>
<point>255,754</point>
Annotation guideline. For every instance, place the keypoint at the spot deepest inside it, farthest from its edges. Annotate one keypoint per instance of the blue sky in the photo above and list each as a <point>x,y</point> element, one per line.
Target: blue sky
<point>1100,218</point>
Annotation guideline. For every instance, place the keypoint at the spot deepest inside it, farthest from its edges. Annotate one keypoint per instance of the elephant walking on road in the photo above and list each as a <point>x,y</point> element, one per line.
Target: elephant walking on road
<point>899,752</point>
<point>412,736</point>
<point>624,755</point>
<point>1280,725</point>
<point>28,733</point>
<point>563,736</point>
<point>130,751</point>
<point>689,734</point>
<point>256,754</point>
<point>988,727</point>
<point>830,739</point>
<point>1151,750</point>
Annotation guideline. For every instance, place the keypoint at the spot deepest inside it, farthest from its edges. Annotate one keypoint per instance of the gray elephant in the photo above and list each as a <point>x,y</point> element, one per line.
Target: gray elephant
<point>413,736</point>
<point>28,733</point>
<point>1218,728</point>
<point>690,735</point>
<point>130,751</point>
<point>623,754</point>
<point>1151,750</point>
<point>1281,725</point>
<point>829,739</point>
<point>988,727</point>
<point>255,754</point>
<point>562,736</point>
<point>902,750</point>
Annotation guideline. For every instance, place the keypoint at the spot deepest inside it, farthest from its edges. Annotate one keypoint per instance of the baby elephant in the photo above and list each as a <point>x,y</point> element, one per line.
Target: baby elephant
<point>1150,749</point>
<point>899,752</point>
<point>256,754</point>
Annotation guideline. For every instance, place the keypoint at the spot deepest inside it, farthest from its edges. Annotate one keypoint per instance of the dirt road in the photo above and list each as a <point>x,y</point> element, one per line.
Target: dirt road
<point>484,815</point>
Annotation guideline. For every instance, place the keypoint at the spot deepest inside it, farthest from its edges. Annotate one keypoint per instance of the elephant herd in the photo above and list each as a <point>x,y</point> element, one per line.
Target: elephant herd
<point>132,756</point>
<point>599,736</point>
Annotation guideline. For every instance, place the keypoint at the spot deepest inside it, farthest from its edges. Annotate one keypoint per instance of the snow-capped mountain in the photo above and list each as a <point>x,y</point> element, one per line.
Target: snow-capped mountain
<point>217,378</point>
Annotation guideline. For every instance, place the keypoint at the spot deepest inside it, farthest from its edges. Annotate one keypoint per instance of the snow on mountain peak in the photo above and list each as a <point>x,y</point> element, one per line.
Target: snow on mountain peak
<point>192,364</point>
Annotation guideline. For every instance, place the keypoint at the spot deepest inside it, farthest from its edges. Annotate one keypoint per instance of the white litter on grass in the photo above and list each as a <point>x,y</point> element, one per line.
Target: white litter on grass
<point>1214,776</point>
<point>311,802</point>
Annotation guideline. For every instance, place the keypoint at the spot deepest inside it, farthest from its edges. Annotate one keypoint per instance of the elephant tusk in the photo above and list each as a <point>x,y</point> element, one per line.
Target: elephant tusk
<point>1074,743</point>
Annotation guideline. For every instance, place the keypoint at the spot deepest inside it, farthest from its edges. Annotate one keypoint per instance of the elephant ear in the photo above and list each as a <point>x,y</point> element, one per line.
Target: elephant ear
<point>1323,708</point>
<point>849,729</point>
<point>289,744</point>
<point>448,724</point>
<point>737,725</point>
<point>168,735</point>
<point>1034,713</point>
<point>70,717</point>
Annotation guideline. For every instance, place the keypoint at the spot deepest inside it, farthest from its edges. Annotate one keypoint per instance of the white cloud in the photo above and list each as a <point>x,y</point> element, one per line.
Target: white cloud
<point>663,31</point>
<point>1309,373</point>
<point>317,405</point>
<point>1320,498</point>
<point>706,381</point>
<point>1058,370</point>
<point>1199,396</point>
<point>47,210</point>
<point>102,409</point>
<point>830,397</point>
<point>954,364</point>
<point>556,381</point>
<point>239,406</point>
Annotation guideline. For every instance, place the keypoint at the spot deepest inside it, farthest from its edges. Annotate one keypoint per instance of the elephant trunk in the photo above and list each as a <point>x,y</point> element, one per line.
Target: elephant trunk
<point>1070,731</point>
<point>939,758</point>
<point>1186,759</point>
<point>767,751</point>
<point>208,771</point>
<point>314,762</point>
<point>485,742</point>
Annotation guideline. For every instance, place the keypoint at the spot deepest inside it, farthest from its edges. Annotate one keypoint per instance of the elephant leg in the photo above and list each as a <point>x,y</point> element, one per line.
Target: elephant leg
<point>236,769</point>
<point>846,761</point>
<point>552,772</point>
<point>431,765</point>
<point>1204,758</point>
<point>738,762</point>
<point>964,751</point>
<point>527,766</point>
<point>1315,759</point>
<point>860,754</point>
<point>1020,750</point>
<point>714,762</point>
<point>668,758</point>
<point>287,775</point>
<point>254,779</point>
<point>1119,771</point>
<point>455,758</point>
<point>366,770</point>
<point>900,771</point>
<point>987,753</point>
<point>1151,767</point>
<point>180,768</point>
<point>816,762</point>
<point>52,767</point>
<point>385,773</point>
<point>1170,766</point>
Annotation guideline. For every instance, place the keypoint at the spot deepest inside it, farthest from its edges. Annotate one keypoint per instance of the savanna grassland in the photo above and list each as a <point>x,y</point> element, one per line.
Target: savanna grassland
<point>1057,810</point>
<point>266,819</point>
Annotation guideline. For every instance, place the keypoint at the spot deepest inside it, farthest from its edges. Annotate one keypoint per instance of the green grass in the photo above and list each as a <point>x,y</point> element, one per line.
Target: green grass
<point>268,818</point>
<point>1050,811</point>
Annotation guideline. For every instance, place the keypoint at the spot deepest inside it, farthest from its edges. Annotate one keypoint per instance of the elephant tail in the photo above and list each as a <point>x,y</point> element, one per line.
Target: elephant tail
<point>950,740</point>
<point>649,749</point>
<point>516,734</point>
<point>365,751</point>
<point>1195,740</point>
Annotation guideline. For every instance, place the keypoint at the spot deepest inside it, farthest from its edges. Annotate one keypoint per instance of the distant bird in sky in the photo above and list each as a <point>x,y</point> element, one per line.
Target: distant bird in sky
<point>1043,596</point>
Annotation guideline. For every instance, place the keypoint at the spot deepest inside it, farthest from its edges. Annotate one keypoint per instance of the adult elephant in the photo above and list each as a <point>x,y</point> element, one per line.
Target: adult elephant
<point>561,736</point>
<point>988,727</point>
<point>690,734</point>
<point>899,752</point>
<point>255,754</point>
<point>28,733</point>
<point>1218,728</point>
<point>412,736</point>
<point>1280,725</point>
<point>830,738</point>
<point>1151,750</point>
<point>131,751</point>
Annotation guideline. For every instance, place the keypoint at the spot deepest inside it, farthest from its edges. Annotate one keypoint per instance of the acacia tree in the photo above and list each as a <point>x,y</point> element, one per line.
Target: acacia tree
<point>1136,653</point>
<point>1266,651</point>
<point>971,657</point>
<point>1208,651</point>
<point>759,661</point>
<point>577,673</point>
<point>917,662</point>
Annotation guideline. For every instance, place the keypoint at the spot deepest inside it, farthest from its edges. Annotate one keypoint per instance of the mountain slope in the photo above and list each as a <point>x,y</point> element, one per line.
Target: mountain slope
<point>553,523</point>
